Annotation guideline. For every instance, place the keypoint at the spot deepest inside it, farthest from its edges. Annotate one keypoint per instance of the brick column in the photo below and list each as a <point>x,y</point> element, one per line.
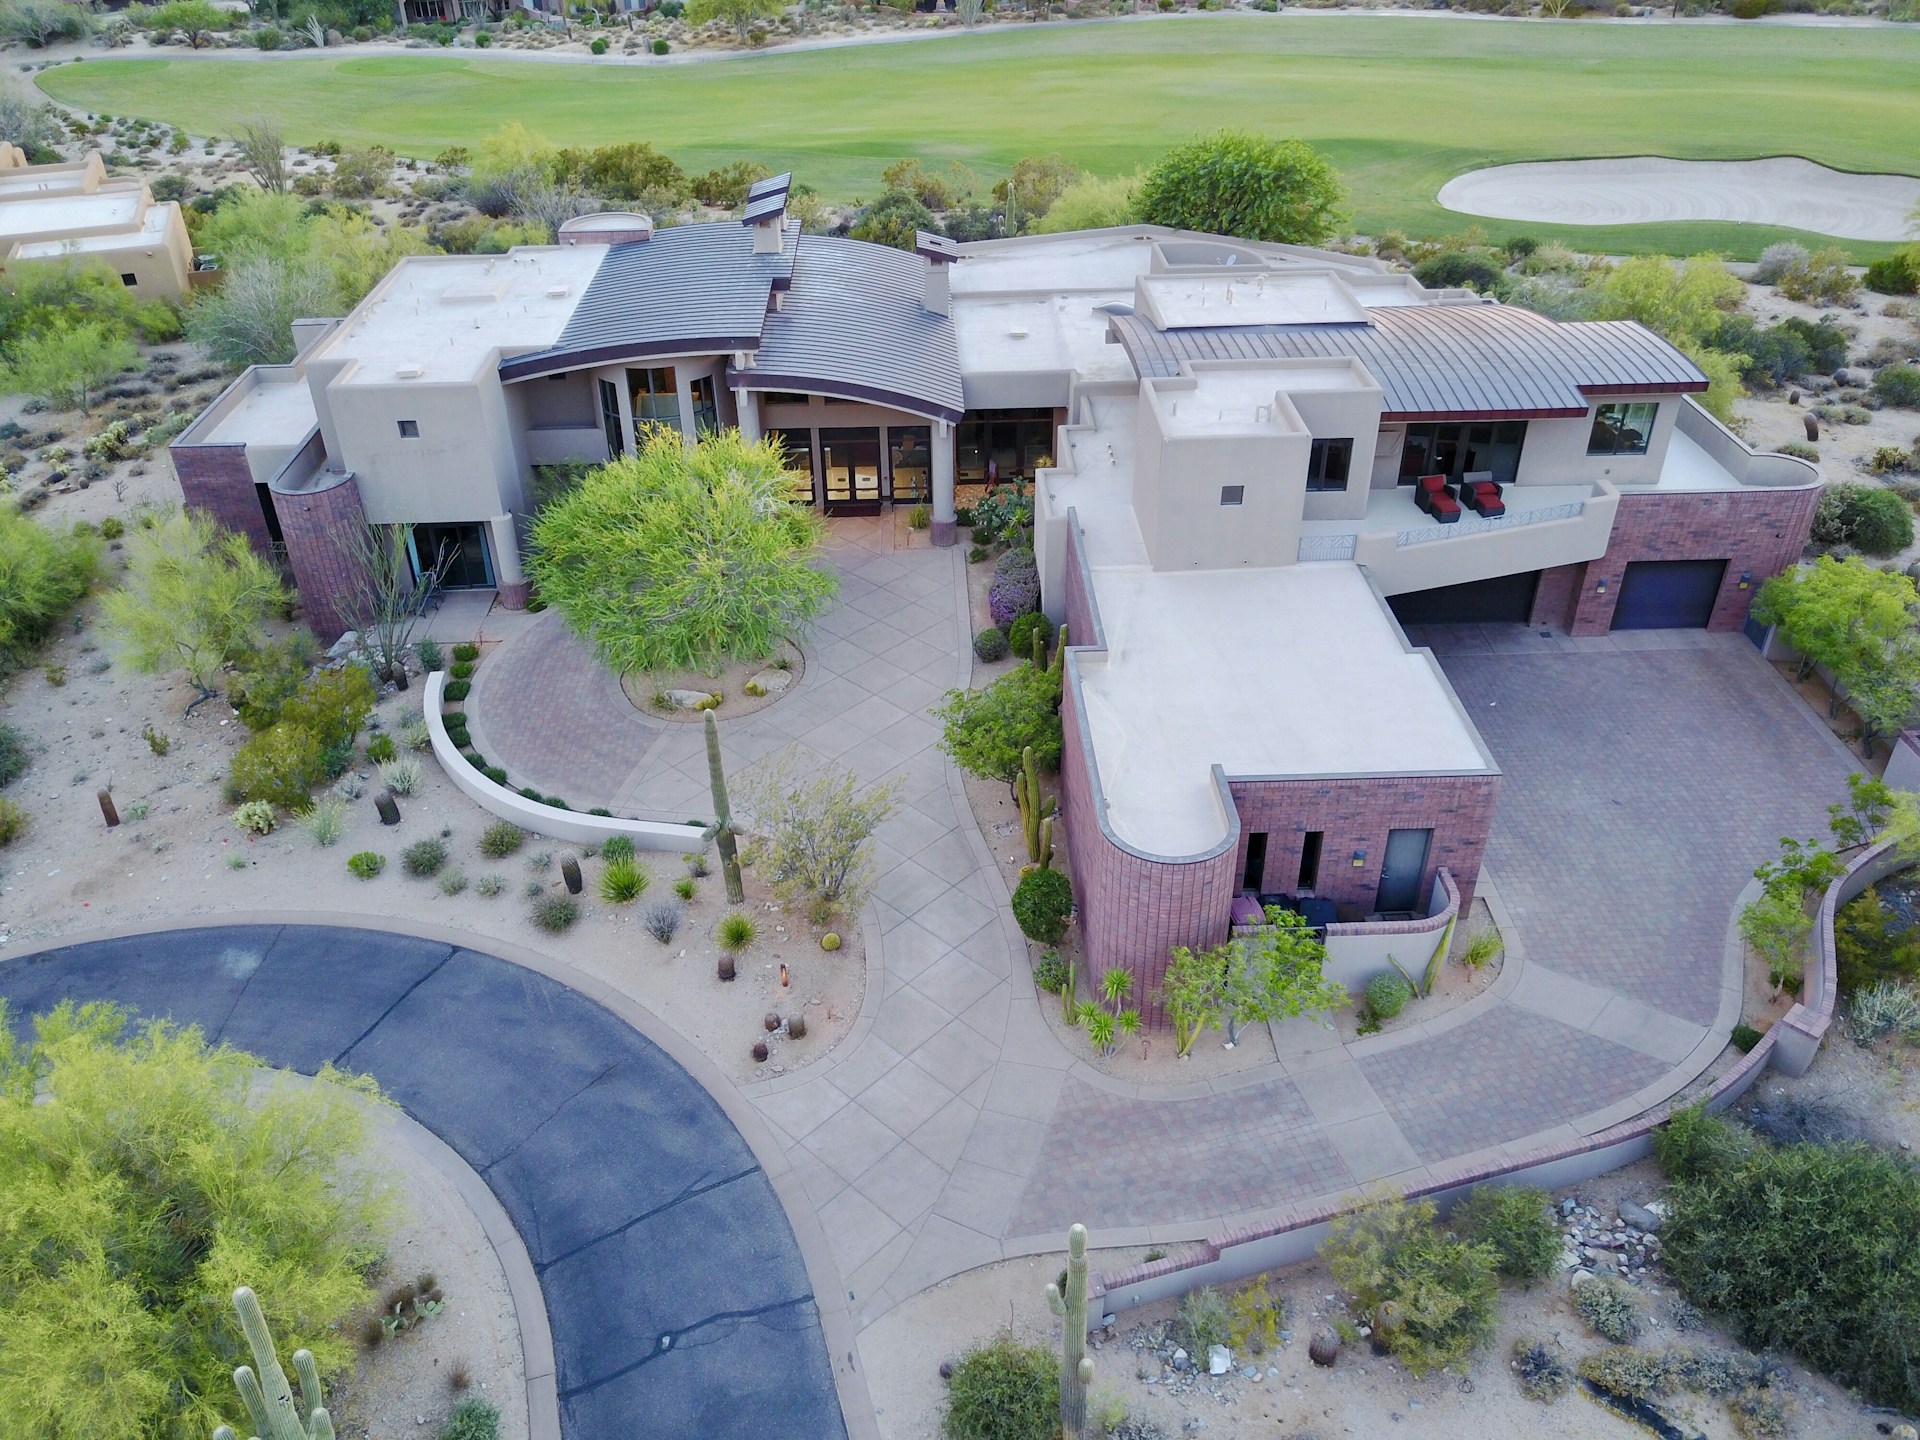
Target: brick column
<point>321,524</point>
<point>217,480</point>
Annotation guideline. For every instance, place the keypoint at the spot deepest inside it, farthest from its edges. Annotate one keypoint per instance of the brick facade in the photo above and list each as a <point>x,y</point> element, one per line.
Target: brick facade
<point>1354,815</point>
<point>216,479</point>
<point>1758,532</point>
<point>319,526</point>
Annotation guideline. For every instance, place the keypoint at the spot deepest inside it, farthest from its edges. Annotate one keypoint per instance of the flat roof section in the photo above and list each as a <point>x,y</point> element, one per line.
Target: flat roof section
<point>152,231</point>
<point>1228,402</point>
<point>1019,334</point>
<point>271,413</point>
<point>1262,297</point>
<point>1295,671</point>
<point>32,216</point>
<point>440,318</point>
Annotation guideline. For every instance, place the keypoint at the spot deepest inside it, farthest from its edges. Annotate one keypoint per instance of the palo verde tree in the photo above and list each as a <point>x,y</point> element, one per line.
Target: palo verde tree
<point>1237,183</point>
<point>195,598</point>
<point>683,557</point>
<point>147,1176</point>
<point>1276,973</point>
<point>1863,625</point>
<point>67,363</point>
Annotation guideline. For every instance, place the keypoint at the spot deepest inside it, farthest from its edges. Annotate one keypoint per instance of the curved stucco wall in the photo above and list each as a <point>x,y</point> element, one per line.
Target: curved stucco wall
<point>554,823</point>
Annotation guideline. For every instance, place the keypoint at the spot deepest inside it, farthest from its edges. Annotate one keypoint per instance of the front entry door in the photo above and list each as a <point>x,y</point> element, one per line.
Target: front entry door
<point>1405,867</point>
<point>461,549</point>
<point>850,471</point>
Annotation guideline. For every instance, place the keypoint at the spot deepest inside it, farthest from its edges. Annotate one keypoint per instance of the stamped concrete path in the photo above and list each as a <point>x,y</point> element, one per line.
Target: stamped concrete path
<point>1645,777</point>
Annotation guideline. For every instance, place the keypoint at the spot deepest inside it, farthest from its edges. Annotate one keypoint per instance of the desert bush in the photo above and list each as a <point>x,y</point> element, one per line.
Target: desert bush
<point>1460,269</point>
<point>618,847</point>
<point>326,821</point>
<point>1542,1376</point>
<point>1610,1309</point>
<point>1202,1321</point>
<point>1517,1222</point>
<point>366,864</point>
<point>1629,1372</point>
<point>818,830</point>
<point>1388,994</point>
<point>255,818</point>
<point>148,1173</point>
<point>1898,274</point>
<point>1886,1007</point>
<point>43,575</point>
<point>1432,1300</point>
<point>490,885</point>
<point>13,754</point>
<point>555,912</point>
<point>472,1419</point>
<point>424,857</point>
<point>266,676</point>
<point>501,839</point>
<point>986,730</point>
<point>1051,972</point>
<point>1821,279</point>
<point>381,749</point>
<point>661,919</point>
<point>402,777</point>
<point>1798,448</point>
<point>1003,1391</point>
<point>1042,904</point>
<point>281,765</point>
<point>1898,385</point>
<point>990,644</point>
<point>1800,1247</point>
<point>623,881</point>
<point>414,734</point>
<point>1872,520</point>
<point>13,821</point>
<point>452,882</point>
<point>736,931</point>
<point>1255,1316</point>
<point>1776,260</point>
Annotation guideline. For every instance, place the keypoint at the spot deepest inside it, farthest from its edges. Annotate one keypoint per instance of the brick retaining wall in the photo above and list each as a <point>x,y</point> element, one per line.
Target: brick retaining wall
<point>216,479</point>
<point>320,527</point>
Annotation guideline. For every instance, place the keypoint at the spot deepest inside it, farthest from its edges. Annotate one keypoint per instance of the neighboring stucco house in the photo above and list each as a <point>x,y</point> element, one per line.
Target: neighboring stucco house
<point>72,210</point>
<point>1229,444</point>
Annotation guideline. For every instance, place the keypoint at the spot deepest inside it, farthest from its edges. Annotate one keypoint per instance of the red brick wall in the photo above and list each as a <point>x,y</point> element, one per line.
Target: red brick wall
<point>1355,815</point>
<point>216,479</point>
<point>319,527</point>
<point>1757,531</point>
<point>1553,598</point>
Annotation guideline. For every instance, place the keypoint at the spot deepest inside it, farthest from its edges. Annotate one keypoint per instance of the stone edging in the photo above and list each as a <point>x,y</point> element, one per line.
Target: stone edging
<point>823,1272</point>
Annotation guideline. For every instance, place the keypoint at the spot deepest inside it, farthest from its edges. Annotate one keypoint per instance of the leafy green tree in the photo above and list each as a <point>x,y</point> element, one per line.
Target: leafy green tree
<point>623,172</point>
<point>1092,203</point>
<point>195,598</point>
<point>252,225</point>
<point>195,19</point>
<point>986,731</point>
<point>740,14</point>
<point>1432,1301</point>
<point>1884,687</point>
<point>1237,183</point>
<point>894,219</point>
<point>1686,304</point>
<point>1837,613</point>
<point>147,1174</point>
<point>1276,973</point>
<point>68,363</point>
<point>41,295</point>
<point>1776,927</point>
<point>683,556</point>
<point>43,575</point>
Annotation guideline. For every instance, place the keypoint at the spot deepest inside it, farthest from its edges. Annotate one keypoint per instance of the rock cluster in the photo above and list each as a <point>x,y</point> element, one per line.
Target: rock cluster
<point>1625,1244</point>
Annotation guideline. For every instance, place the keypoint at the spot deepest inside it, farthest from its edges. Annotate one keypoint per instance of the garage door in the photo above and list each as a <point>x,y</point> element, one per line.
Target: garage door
<point>1668,594</point>
<point>1503,599</point>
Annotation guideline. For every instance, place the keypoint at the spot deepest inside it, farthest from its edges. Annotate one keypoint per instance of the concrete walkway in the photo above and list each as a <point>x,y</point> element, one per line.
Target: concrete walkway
<point>1646,776</point>
<point>673,1282</point>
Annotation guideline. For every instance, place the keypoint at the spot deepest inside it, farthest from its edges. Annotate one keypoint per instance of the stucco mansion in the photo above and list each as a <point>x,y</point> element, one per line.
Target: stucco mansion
<point>1251,464</point>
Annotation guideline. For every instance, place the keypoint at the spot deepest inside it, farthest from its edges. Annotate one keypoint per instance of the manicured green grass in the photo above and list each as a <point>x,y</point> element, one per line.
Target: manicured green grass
<point>1400,103</point>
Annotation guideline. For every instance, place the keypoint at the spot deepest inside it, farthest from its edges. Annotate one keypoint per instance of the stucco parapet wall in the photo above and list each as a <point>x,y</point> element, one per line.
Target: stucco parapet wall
<point>554,823</point>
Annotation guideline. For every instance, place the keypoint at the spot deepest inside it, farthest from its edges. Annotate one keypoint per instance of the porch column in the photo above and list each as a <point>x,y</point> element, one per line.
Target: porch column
<point>943,526</point>
<point>747,402</point>
<point>508,577</point>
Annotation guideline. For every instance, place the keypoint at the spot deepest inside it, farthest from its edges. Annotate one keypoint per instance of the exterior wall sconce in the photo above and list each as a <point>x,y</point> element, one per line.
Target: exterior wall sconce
<point>1746,579</point>
<point>1601,588</point>
<point>1359,859</point>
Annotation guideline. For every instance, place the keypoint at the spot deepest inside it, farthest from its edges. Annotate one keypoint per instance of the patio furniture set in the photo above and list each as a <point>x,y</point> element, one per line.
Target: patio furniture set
<point>1478,491</point>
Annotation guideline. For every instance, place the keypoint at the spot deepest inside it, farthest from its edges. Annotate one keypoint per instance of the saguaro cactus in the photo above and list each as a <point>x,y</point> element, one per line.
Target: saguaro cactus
<point>268,1399</point>
<point>1076,1370</point>
<point>1034,810</point>
<point>722,830</point>
<point>1058,665</point>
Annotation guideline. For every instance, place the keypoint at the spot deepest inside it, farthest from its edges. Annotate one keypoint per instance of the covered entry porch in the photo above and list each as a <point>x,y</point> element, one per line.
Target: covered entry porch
<point>861,456</point>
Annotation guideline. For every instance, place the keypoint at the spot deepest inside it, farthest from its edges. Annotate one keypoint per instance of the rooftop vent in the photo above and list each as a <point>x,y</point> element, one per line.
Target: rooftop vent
<point>410,372</point>
<point>939,252</point>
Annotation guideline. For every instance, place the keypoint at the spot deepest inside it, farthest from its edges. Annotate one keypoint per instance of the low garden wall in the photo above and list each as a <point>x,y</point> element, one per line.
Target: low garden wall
<point>1788,1046</point>
<point>547,820</point>
<point>1359,950</point>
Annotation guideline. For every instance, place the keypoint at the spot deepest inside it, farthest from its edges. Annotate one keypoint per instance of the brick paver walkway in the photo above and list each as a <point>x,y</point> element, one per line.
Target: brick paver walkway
<point>1645,777</point>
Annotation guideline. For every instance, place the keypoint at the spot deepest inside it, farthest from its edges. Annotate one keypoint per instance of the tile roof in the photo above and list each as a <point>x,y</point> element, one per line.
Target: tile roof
<point>690,289</point>
<point>1446,361</point>
<point>854,325</point>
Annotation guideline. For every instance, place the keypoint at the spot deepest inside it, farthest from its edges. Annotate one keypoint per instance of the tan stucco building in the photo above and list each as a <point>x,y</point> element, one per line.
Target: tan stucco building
<point>74,210</point>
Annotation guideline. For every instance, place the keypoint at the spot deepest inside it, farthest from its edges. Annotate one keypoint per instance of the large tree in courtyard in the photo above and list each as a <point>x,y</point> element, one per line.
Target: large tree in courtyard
<point>1236,183</point>
<point>683,557</point>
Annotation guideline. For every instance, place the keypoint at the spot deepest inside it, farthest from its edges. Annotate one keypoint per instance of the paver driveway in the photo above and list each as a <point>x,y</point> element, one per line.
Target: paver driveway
<point>1645,777</point>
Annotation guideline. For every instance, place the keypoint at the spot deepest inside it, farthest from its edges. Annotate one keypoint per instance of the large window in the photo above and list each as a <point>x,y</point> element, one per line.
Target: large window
<point>656,396</point>
<point>1011,442</point>
<point>1622,429</point>
<point>1460,449</point>
<point>1327,464</point>
<point>798,447</point>
<point>706,412</point>
<point>910,461</point>
<point>610,419</point>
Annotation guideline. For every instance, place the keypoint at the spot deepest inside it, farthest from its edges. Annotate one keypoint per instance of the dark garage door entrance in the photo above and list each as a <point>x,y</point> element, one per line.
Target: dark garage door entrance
<point>1668,594</point>
<point>1505,599</point>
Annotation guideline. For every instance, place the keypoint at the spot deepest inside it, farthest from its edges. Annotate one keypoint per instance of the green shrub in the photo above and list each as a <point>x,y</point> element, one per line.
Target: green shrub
<point>457,689</point>
<point>43,575</point>
<point>599,45</point>
<point>737,931</point>
<point>1020,633</point>
<point>555,912</point>
<point>1517,1221</point>
<point>1202,1321</point>
<point>661,47</point>
<point>281,764</point>
<point>13,754</point>
<point>429,654</point>
<point>1623,1370</point>
<point>1609,1307</point>
<point>267,676</point>
<point>1050,974</point>
<point>1042,904</point>
<point>1433,1301</point>
<point>13,821</point>
<point>453,882</point>
<point>466,650</point>
<point>1823,277</point>
<point>490,885</point>
<point>462,669</point>
<point>424,857</point>
<point>1868,949</point>
<point>1745,1037</point>
<point>255,818</point>
<point>1898,274</point>
<point>1004,1391</point>
<point>990,644</point>
<point>985,731</point>
<point>267,38</point>
<point>381,748</point>
<point>332,704</point>
<point>1798,448</point>
<point>472,1418</point>
<point>1898,385</point>
<point>366,864</point>
<point>1460,269</point>
<point>623,881</point>
<point>1388,994</point>
<point>1799,1247</point>
<point>326,821</point>
<point>1874,521</point>
<point>619,847</point>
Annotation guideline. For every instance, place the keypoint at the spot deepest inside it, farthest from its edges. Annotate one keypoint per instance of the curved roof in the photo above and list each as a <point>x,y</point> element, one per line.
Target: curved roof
<point>854,324</point>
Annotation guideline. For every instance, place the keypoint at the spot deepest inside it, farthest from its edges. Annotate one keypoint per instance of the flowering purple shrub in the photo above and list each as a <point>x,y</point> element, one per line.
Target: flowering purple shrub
<point>1013,596</point>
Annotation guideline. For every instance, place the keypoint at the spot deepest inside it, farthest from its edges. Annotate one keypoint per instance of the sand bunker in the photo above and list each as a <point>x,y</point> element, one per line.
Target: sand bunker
<point>1795,193</point>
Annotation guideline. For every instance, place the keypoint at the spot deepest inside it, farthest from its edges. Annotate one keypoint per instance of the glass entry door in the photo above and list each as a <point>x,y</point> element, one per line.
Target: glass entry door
<point>910,462</point>
<point>461,549</point>
<point>850,470</point>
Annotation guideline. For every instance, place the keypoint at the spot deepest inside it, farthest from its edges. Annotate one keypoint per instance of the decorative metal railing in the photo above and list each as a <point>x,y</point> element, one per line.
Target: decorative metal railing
<point>1482,525</point>
<point>1327,547</point>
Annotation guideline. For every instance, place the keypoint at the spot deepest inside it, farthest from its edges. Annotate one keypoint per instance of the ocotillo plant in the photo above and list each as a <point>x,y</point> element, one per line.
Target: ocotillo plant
<point>1076,1370</point>
<point>1033,809</point>
<point>722,830</point>
<point>269,1402</point>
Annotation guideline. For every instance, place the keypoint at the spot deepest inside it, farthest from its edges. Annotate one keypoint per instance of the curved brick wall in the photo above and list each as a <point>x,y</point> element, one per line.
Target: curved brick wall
<point>319,527</point>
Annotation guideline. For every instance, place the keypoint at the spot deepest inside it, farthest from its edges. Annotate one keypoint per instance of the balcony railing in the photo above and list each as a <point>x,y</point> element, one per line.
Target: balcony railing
<point>1326,547</point>
<point>1483,525</point>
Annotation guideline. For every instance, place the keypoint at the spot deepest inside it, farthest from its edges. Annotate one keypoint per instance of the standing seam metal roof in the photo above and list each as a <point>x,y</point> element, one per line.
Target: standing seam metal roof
<point>1446,361</point>
<point>690,288</point>
<point>855,324</point>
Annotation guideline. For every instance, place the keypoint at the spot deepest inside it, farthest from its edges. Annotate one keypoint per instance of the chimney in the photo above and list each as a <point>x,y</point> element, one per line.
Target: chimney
<point>939,252</point>
<point>766,213</point>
